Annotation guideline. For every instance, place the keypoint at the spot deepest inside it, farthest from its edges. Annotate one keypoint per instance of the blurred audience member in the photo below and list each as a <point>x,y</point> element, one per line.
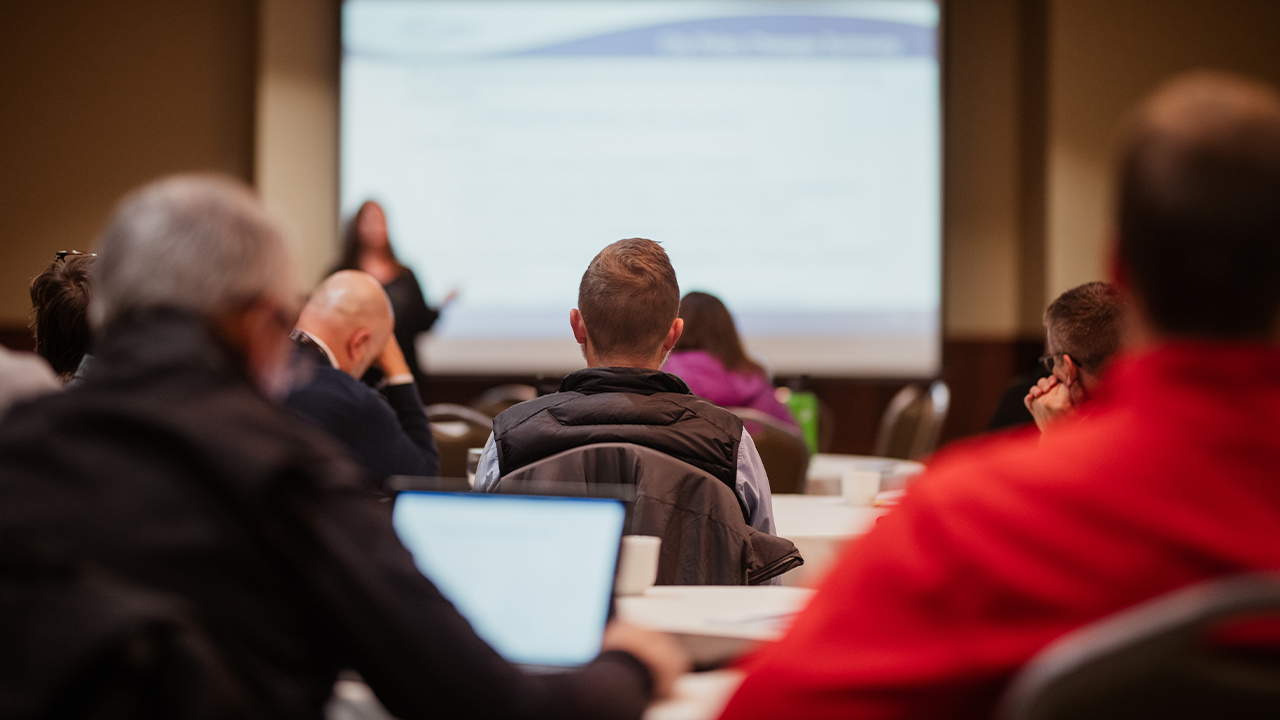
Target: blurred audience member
<point>60,303</point>
<point>1007,543</point>
<point>627,322</point>
<point>344,330</point>
<point>172,465</point>
<point>367,247</point>
<point>709,357</point>
<point>1082,329</point>
<point>23,376</point>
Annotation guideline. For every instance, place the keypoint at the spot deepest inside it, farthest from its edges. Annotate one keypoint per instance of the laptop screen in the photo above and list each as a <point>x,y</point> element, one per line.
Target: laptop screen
<point>533,575</point>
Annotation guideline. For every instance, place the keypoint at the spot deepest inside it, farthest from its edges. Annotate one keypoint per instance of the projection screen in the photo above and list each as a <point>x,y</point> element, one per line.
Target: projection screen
<point>786,154</point>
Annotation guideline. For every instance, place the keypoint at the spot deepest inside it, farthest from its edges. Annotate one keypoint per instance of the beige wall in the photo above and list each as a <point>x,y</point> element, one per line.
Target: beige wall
<point>981,88</point>
<point>97,97</point>
<point>296,159</point>
<point>1104,55</point>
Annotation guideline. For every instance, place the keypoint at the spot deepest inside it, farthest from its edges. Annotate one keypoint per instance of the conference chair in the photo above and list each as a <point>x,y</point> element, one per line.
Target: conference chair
<point>705,536</point>
<point>912,424</point>
<point>457,428</point>
<point>782,449</point>
<point>1170,658</point>
<point>502,397</point>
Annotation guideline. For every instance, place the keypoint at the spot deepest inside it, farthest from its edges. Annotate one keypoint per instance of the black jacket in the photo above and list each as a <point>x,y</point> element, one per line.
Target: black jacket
<point>173,471</point>
<point>621,405</point>
<point>705,539</point>
<point>388,432</point>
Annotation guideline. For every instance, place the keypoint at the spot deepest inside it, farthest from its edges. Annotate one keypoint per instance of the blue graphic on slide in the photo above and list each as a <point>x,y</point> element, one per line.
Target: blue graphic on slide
<point>767,35</point>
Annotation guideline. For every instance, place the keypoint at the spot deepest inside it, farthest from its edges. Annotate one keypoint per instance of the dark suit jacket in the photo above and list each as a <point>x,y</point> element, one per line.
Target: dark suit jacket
<point>171,469</point>
<point>388,433</point>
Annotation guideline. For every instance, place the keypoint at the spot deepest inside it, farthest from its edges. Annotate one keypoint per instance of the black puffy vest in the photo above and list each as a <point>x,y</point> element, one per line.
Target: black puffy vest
<point>630,405</point>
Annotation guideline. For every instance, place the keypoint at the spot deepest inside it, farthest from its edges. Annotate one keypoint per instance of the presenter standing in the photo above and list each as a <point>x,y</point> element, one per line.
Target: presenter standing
<point>367,247</point>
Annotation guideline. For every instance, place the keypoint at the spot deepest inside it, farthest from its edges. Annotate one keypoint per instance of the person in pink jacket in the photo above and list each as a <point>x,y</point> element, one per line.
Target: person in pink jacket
<point>710,359</point>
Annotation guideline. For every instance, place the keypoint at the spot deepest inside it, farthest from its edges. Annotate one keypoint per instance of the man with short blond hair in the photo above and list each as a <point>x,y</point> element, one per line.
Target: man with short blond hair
<point>630,298</point>
<point>626,322</point>
<point>173,467</point>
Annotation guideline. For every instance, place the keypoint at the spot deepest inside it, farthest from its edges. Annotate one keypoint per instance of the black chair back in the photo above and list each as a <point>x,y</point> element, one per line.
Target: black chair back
<point>1162,660</point>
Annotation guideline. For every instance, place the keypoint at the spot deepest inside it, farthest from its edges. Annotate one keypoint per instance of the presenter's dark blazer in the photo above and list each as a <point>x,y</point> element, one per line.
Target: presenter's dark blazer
<point>387,432</point>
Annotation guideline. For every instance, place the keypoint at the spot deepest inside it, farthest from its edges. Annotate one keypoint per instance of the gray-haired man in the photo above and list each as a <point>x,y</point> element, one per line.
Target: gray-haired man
<point>175,469</point>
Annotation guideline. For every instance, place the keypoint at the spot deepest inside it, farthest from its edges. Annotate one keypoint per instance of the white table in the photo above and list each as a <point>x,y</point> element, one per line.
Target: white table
<point>825,471</point>
<point>715,623</point>
<point>819,526</point>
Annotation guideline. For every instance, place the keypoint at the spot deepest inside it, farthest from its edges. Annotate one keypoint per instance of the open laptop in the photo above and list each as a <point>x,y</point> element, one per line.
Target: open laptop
<point>532,574</point>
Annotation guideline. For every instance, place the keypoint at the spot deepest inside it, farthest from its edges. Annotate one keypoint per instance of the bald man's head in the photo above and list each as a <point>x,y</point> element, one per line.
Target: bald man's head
<point>350,313</point>
<point>1199,207</point>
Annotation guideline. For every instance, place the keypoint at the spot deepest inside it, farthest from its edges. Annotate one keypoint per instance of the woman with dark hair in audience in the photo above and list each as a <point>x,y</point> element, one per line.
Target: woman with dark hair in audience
<point>710,359</point>
<point>60,306</point>
<point>367,247</point>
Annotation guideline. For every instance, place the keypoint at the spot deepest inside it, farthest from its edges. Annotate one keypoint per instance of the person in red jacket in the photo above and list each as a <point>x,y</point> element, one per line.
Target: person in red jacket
<point>1168,477</point>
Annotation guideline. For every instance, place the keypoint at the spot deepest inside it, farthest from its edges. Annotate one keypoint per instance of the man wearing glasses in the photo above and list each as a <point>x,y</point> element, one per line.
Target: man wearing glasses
<point>173,467</point>
<point>1083,333</point>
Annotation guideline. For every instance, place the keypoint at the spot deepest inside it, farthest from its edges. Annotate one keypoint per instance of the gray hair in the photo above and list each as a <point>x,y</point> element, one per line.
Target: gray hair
<point>201,243</point>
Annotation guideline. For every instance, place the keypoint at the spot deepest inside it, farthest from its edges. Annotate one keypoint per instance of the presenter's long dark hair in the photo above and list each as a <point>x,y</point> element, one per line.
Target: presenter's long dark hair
<point>709,327</point>
<point>351,245</point>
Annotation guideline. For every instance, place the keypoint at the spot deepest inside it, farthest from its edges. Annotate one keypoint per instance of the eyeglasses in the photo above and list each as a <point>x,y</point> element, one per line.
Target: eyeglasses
<point>62,254</point>
<point>1048,360</point>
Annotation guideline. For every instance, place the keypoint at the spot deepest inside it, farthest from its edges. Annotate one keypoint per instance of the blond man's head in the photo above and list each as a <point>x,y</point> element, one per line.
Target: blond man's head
<point>627,304</point>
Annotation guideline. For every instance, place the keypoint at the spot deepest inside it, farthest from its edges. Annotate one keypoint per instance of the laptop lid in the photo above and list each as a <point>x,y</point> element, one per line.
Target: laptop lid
<point>532,574</point>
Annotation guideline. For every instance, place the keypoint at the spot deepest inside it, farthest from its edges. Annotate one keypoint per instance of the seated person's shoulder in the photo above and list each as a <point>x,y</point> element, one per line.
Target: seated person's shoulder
<point>231,429</point>
<point>332,383</point>
<point>520,412</point>
<point>707,409</point>
<point>334,400</point>
<point>274,444</point>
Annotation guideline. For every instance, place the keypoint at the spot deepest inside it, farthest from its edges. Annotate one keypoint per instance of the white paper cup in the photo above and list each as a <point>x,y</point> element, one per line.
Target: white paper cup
<point>860,487</point>
<point>637,564</point>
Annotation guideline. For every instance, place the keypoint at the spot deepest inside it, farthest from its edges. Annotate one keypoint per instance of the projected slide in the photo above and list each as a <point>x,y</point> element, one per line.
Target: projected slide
<point>786,154</point>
